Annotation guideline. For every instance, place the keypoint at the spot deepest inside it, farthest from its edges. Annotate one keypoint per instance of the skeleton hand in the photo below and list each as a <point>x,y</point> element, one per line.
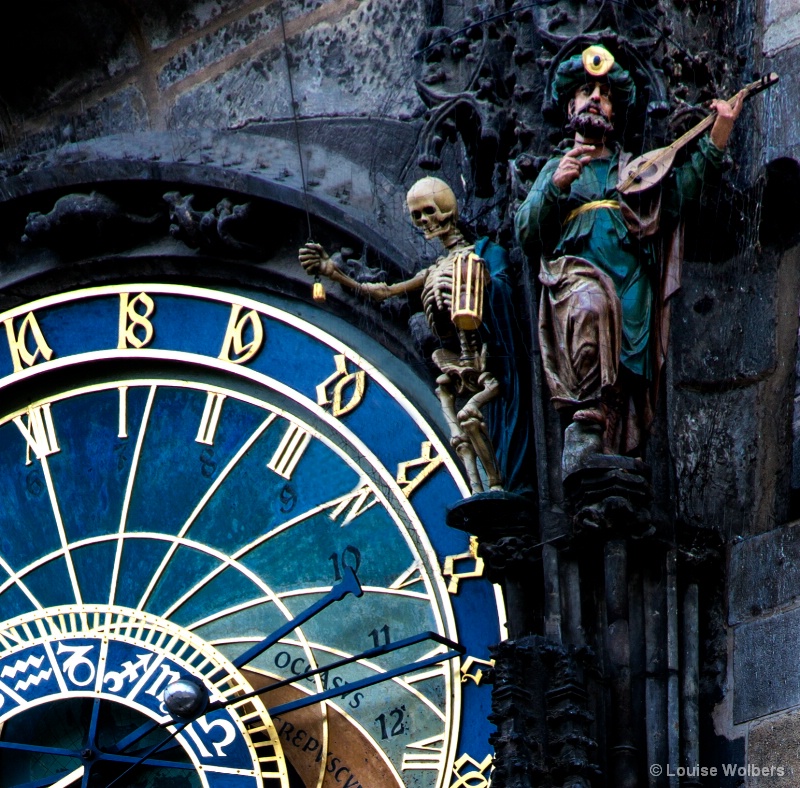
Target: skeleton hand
<point>377,291</point>
<point>472,413</point>
<point>315,260</point>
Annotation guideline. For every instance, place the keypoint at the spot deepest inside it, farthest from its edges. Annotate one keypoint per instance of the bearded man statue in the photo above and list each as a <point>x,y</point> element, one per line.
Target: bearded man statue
<point>607,265</point>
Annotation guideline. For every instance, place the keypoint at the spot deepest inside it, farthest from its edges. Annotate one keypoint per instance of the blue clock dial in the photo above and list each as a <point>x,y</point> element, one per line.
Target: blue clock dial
<point>216,498</point>
<point>116,660</point>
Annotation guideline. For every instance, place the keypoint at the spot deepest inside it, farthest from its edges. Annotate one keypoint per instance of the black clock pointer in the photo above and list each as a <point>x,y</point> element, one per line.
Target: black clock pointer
<point>349,584</point>
<point>455,650</point>
<point>183,694</point>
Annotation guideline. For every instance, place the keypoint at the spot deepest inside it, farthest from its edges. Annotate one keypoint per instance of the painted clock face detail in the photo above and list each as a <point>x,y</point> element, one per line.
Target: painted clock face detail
<point>104,657</point>
<point>183,472</point>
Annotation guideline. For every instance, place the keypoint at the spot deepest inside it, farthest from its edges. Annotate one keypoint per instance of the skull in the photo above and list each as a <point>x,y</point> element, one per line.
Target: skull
<point>433,207</point>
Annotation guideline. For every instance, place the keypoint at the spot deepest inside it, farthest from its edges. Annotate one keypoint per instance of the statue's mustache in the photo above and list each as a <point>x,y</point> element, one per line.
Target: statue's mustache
<point>598,110</point>
<point>591,121</point>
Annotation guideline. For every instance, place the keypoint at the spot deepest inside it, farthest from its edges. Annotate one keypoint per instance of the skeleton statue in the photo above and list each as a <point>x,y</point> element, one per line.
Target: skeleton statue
<point>452,295</point>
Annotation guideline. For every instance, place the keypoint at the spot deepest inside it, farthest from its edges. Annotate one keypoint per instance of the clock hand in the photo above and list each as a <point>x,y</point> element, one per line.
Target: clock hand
<point>11,745</point>
<point>91,736</point>
<point>149,753</point>
<point>456,650</point>
<point>133,737</point>
<point>352,686</point>
<point>348,585</point>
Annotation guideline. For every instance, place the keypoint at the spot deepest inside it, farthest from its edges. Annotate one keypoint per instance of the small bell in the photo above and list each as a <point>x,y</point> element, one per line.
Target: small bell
<point>318,291</point>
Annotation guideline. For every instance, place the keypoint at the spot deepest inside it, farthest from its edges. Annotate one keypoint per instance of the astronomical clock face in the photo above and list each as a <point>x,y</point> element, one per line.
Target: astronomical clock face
<point>184,471</point>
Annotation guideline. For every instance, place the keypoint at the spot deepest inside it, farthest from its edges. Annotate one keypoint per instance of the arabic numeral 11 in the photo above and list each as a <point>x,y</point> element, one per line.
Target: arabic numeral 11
<point>375,635</point>
<point>392,724</point>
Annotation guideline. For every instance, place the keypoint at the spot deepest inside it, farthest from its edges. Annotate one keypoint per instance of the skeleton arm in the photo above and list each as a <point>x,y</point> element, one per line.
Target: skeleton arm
<point>316,262</point>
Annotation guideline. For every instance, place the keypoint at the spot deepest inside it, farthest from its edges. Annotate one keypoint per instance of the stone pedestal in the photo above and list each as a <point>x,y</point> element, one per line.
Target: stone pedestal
<point>610,494</point>
<point>509,544</point>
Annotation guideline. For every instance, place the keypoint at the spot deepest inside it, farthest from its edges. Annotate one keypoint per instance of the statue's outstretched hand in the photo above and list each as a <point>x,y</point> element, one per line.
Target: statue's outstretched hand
<point>315,260</point>
<point>727,112</point>
<point>571,166</point>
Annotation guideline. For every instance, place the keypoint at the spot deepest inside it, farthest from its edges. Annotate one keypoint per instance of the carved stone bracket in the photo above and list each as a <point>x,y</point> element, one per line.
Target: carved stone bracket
<point>611,496</point>
<point>509,556</point>
<point>507,530</point>
<point>225,227</point>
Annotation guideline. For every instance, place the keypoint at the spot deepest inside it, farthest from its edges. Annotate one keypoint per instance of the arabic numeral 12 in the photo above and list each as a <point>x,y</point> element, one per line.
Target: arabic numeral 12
<point>393,725</point>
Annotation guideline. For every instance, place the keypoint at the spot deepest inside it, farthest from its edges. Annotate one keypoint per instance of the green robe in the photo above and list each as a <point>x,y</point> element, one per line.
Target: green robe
<point>630,258</point>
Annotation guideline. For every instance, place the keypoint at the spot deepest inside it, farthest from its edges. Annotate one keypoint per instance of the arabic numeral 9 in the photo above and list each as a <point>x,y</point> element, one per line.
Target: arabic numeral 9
<point>288,498</point>
<point>392,724</point>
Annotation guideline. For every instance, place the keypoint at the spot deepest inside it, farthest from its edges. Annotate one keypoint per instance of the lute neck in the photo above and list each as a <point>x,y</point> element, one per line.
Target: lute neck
<point>699,128</point>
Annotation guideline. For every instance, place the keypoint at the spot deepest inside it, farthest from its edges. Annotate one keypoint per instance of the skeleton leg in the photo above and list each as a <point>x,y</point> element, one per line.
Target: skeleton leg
<point>458,438</point>
<point>471,420</point>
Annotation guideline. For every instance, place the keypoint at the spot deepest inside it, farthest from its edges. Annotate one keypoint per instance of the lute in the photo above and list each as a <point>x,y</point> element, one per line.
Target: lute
<point>647,170</point>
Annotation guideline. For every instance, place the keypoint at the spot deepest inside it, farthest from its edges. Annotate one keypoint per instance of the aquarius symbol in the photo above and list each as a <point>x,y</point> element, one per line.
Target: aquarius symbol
<point>21,666</point>
<point>42,675</point>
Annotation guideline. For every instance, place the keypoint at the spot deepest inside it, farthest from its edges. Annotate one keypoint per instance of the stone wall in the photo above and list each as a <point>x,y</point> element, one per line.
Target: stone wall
<point>197,92</point>
<point>206,84</point>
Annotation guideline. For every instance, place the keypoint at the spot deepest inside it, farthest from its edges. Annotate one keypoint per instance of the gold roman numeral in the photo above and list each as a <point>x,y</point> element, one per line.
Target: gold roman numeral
<point>39,432</point>
<point>210,418</point>
<point>425,754</point>
<point>122,431</point>
<point>354,503</point>
<point>291,448</point>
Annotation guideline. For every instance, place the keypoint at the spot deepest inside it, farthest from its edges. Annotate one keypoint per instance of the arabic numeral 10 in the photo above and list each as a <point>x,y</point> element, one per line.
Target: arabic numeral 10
<point>392,724</point>
<point>350,557</point>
